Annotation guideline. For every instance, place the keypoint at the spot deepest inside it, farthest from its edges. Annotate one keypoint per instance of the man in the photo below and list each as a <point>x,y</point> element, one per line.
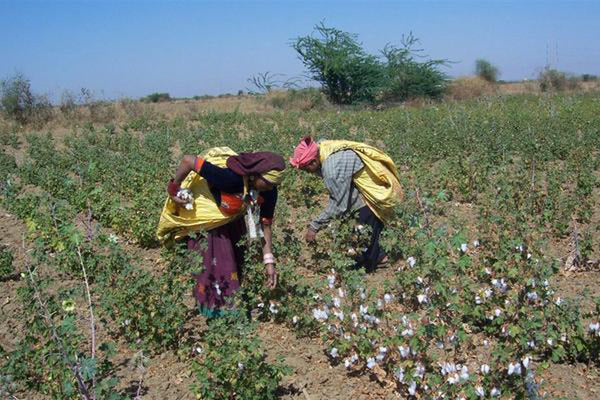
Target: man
<point>359,178</point>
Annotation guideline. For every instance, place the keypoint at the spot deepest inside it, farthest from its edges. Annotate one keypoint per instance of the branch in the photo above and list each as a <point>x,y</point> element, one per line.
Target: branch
<point>92,323</point>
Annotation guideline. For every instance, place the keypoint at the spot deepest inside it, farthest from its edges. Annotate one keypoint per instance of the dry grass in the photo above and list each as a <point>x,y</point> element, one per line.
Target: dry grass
<point>123,111</point>
<point>470,87</point>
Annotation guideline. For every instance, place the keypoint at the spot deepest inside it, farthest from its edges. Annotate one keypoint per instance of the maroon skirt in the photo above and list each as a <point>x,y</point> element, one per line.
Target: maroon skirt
<point>222,260</point>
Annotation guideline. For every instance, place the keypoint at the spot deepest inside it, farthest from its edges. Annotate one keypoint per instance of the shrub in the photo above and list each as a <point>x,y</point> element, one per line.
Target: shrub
<point>552,79</point>
<point>6,261</point>
<point>485,70</point>
<point>406,78</point>
<point>589,77</point>
<point>19,103</point>
<point>233,364</point>
<point>157,97</point>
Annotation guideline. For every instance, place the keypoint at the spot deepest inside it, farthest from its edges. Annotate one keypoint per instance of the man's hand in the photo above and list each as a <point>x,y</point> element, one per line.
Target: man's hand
<point>310,235</point>
<point>271,276</point>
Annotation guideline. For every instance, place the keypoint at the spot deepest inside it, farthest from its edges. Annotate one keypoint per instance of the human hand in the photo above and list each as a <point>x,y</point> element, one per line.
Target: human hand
<point>310,235</point>
<point>271,276</point>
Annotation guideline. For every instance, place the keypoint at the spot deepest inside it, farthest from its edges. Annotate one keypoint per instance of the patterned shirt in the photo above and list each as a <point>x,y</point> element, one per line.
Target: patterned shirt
<point>338,170</point>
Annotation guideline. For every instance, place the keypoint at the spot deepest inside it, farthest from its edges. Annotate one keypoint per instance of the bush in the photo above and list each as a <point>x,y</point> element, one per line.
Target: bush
<point>552,79</point>
<point>485,70</point>
<point>18,102</point>
<point>157,97</point>
<point>6,261</point>
<point>589,78</point>
<point>406,78</point>
<point>233,364</point>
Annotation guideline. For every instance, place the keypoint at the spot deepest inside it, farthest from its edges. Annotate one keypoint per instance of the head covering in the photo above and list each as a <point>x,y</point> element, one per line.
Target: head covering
<point>306,151</point>
<point>273,176</point>
<point>266,164</point>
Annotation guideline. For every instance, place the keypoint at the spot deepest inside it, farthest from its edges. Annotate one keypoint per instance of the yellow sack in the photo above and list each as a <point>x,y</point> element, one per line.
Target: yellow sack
<point>177,222</point>
<point>378,181</point>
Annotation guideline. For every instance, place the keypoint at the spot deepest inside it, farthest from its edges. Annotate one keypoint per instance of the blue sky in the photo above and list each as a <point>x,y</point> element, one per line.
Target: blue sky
<point>132,48</point>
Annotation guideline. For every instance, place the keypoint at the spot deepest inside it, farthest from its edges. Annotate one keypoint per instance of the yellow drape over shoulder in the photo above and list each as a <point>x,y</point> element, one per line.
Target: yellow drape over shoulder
<point>177,222</point>
<point>378,181</point>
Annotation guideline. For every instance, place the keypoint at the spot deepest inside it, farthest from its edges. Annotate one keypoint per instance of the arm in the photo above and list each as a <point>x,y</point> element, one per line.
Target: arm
<point>267,210</point>
<point>186,165</point>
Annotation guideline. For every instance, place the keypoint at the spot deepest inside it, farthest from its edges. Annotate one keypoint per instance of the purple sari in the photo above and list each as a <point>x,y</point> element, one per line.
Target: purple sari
<point>222,266</point>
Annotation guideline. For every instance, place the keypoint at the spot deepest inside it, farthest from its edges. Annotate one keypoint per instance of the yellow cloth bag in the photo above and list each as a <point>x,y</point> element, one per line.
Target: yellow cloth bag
<point>378,181</point>
<point>177,222</point>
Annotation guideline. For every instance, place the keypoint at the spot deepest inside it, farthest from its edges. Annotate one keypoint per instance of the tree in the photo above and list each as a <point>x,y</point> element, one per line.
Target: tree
<point>406,78</point>
<point>16,99</point>
<point>336,60</point>
<point>485,70</point>
<point>349,75</point>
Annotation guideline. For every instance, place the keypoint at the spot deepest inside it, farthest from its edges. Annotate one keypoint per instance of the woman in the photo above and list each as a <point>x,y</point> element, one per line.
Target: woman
<point>222,185</point>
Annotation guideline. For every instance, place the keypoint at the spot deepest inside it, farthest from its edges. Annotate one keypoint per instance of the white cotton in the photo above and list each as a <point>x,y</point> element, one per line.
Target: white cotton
<point>412,388</point>
<point>475,243</point>
<point>593,327</point>
<point>453,379</point>
<point>404,351</point>
<point>525,362</point>
<point>339,315</point>
<point>330,281</point>
<point>336,302</point>
<point>295,319</point>
<point>558,301</point>
<point>407,332</point>
<point>379,304</point>
<point>273,308</point>
<point>320,315</point>
<point>463,247</point>
<point>387,298</point>
<point>411,261</point>
<point>532,296</point>
<point>347,363</point>
<point>550,342</point>
<point>464,373</point>
<point>371,363</point>
<point>480,391</point>
<point>218,289</point>
<point>495,392</point>
<point>363,309</point>
<point>189,206</point>
<point>419,371</point>
<point>478,300</point>
<point>421,298</point>
<point>485,369</point>
<point>497,312</point>
<point>334,353</point>
<point>399,374</point>
<point>514,369</point>
<point>341,292</point>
